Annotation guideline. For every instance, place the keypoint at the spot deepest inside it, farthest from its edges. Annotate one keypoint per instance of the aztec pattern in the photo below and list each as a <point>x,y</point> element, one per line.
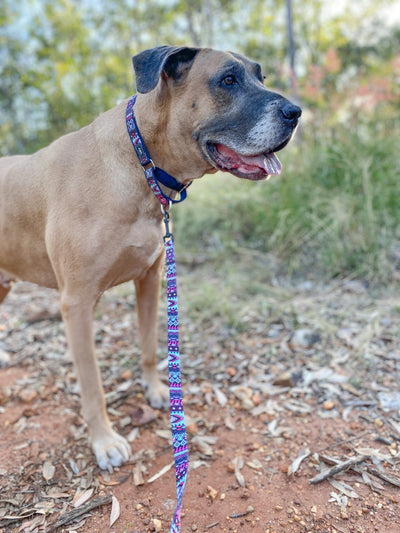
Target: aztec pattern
<point>142,153</point>
<point>179,435</point>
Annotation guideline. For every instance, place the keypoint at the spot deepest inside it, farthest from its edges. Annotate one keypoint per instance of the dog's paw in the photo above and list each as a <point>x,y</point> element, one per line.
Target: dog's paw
<point>157,393</point>
<point>111,450</point>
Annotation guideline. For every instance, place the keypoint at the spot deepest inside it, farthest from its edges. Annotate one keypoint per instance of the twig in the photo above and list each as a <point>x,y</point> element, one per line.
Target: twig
<point>351,439</point>
<point>73,515</point>
<point>338,468</point>
<point>214,524</point>
<point>393,480</point>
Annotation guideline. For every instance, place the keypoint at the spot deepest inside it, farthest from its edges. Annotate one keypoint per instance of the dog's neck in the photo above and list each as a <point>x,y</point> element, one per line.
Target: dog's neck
<point>157,178</point>
<point>153,117</point>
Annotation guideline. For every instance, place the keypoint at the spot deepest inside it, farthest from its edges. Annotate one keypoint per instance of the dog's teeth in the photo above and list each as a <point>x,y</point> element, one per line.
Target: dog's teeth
<point>272,164</point>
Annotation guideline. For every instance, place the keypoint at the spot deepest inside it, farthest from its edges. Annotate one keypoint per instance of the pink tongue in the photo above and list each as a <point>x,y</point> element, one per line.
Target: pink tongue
<point>269,162</point>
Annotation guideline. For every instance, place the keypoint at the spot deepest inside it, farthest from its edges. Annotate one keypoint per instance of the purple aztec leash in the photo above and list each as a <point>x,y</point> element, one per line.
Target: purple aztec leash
<point>178,427</point>
<point>153,176</point>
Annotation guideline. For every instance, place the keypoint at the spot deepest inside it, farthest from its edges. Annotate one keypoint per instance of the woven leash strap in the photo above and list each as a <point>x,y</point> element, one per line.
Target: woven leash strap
<point>178,427</point>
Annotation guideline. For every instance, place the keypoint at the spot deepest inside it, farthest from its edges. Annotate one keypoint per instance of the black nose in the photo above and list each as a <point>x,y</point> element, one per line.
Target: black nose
<point>290,112</point>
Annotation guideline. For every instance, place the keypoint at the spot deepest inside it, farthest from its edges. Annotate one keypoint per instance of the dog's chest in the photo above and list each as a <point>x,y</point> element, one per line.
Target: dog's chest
<point>137,252</point>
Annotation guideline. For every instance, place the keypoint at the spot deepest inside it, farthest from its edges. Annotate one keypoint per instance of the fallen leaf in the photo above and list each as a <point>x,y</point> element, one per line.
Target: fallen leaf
<point>221,397</point>
<point>344,488</point>
<point>297,462</point>
<point>31,525</point>
<point>48,470</point>
<point>255,464</point>
<point>74,466</point>
<point>239,463</point>
<point>115,511</point>
<point>57,495</point>
<point>133,435</point>
<point>229,423</point>
<point>202,444</point>
<point>82,497</point>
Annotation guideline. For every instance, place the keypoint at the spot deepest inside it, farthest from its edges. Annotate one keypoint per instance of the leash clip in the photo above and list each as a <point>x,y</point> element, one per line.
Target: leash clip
<point>165,211</point>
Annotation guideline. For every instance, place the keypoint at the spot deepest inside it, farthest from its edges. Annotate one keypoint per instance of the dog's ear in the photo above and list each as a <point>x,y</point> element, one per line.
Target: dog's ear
<point>149,65</point>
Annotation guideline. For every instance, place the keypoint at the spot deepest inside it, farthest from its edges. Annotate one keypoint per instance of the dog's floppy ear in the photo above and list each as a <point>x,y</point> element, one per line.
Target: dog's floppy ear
<point>149,65</point>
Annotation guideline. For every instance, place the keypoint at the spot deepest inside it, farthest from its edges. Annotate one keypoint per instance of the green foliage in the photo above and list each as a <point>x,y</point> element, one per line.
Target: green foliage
<point>334,211</point>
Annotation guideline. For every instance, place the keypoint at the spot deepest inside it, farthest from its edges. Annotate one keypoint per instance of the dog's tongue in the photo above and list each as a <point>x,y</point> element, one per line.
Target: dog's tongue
<point>268,162</point>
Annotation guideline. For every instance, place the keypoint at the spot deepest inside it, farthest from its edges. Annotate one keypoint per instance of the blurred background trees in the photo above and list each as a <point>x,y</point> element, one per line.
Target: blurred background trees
<point>63,62</point>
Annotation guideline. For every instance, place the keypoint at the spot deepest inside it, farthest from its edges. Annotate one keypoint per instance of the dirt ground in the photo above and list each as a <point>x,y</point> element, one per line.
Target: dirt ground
<point>305,382</point>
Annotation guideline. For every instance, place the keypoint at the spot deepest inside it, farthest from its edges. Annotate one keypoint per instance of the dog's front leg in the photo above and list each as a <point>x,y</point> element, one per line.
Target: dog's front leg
<point>5,285</point>
<point>110,448</point>
<point>147,297</point>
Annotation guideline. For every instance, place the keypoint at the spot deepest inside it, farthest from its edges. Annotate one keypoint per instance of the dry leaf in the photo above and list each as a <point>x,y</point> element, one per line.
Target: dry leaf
<point>297,462</point>
<point>344,488</point>
<point>115,511</point>
<point>221,398</point>
<point>202,444</point>
<point>197,464</point>
<point>376,454</point>
<point>240,479</point>
<point>133,435</point>
<point>31,525</point>
<point>255,464</point>
<point>74,467</point>
<point>229,423</point>
<point>57,495</point>
<point>239,463</point>
<point>372,483</point>
<point>82,497</point>
<point>48,470</point>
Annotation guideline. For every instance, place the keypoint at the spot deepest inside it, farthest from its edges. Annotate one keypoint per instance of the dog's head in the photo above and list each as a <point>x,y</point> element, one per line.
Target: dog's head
<point>222,105</point>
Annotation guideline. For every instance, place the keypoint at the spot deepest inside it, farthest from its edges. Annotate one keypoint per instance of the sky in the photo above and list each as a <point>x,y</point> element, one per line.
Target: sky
<point>390,10</point>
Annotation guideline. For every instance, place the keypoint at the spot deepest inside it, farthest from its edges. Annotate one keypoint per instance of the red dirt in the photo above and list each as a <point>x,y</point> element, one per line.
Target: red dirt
<point>40,421</point>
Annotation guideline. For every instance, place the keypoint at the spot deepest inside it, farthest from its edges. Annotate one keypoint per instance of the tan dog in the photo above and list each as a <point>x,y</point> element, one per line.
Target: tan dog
<point>79,215</point>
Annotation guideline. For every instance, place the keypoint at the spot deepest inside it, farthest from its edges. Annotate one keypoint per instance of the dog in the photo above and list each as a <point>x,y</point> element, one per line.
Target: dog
<point>79,215</point>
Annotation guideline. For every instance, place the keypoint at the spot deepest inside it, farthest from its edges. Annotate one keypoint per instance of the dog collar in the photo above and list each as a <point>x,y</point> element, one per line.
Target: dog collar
<point>153,174</point>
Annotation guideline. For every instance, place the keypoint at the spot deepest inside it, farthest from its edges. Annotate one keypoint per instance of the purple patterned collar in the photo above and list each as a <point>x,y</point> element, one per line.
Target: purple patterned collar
<point>153,174</point>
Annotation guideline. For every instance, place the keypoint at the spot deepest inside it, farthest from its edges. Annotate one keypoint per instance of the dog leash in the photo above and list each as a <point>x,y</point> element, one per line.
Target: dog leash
<point>154,175</point>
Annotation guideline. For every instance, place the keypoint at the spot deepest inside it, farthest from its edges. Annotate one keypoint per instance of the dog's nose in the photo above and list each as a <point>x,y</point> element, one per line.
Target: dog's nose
<point>290,112</point>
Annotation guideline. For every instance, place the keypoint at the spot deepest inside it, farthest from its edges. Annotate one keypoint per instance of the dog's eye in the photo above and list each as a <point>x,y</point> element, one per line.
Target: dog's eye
<point>229,80</point>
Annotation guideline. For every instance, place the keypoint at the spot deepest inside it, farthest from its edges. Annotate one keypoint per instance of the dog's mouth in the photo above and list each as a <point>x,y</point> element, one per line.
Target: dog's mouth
<point>252,167</point>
